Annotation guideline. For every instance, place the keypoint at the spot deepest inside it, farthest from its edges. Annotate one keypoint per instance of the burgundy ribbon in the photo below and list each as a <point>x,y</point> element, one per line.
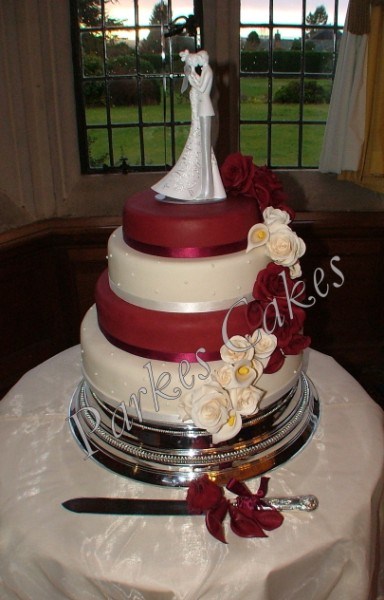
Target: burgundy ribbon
<point>188,252</point>
<point>250,515</point>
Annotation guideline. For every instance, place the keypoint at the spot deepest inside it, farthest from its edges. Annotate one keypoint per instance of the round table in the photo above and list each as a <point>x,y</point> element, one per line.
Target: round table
<point>49,553</point>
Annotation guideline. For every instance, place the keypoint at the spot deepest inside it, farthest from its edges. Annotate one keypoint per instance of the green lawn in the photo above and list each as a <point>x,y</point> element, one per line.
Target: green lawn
<point>253,137</point>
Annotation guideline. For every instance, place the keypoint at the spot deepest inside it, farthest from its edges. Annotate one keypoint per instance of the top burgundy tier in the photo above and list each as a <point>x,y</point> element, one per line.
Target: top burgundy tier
<point>188,230</point>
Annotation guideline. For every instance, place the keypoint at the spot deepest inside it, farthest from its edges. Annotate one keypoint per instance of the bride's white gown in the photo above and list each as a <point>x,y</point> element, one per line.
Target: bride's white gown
<point>184,180</point>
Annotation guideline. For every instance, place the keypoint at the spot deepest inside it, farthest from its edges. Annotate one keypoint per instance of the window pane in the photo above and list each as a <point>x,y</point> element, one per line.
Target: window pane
<point>254,142</point>
<point>154,145</point>
<point>312,140</point>
<point>121,59</point>
<point>89,14</point>
<point>121,12</point>
<point>126,112</point>
<point>126,145</point>
<point>254,12</point>
<point>92,50</point>
<point>287,95</point>
<point>98,148</point>
<point>317,94</point>
<point>95,100</point>
<point>254,98</point>
<point>181,106</point>
<point>284,12</point>
<point>284,145</point>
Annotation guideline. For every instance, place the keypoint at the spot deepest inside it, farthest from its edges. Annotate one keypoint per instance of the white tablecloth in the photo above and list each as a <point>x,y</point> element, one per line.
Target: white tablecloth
<point>48,553</point>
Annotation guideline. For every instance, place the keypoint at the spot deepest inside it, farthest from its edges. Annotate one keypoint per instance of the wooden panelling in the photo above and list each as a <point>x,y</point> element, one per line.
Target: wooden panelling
<point>48,273</point>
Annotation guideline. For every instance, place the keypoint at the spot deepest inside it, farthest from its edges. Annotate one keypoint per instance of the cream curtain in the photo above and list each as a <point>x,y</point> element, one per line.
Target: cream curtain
<point>354,139</point>
<point>344,132</point>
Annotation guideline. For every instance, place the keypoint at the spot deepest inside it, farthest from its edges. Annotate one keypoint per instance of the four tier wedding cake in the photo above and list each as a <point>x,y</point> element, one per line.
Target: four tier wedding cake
<point>193,350</point>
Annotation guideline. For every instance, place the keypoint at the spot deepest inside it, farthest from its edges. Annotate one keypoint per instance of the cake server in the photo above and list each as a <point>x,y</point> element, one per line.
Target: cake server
<point>136,506</point>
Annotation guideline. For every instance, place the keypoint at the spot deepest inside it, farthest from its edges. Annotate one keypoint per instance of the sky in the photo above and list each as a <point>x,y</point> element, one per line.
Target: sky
<point>285,11</point>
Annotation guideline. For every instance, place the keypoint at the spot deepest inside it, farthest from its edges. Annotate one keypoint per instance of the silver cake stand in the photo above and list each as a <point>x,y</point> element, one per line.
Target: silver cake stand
<point>176,455</point>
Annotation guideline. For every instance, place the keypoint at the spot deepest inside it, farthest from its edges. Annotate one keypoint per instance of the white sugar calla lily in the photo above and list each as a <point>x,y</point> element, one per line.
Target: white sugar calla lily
<point>258,235</point>
<point>245,374</point>
<point>232,376</point>
<point>258,367</point>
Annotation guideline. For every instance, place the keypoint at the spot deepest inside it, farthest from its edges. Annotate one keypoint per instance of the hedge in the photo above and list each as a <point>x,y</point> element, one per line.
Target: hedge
<point>287,61</point>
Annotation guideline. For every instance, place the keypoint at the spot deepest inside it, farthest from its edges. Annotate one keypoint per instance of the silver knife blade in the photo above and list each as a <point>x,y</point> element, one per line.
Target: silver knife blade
<point>137,506</point>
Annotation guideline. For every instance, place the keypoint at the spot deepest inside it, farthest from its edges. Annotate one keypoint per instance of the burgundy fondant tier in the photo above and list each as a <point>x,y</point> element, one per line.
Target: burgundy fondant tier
<point>163,335</point>
<point>188,230</point>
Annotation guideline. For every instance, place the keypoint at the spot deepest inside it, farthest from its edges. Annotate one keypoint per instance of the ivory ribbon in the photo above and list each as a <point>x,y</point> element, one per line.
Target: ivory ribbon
<point>175,307</point>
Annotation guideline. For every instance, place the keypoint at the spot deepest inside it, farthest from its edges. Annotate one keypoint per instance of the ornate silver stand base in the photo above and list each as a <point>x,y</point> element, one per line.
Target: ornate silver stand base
<point>176,455</point>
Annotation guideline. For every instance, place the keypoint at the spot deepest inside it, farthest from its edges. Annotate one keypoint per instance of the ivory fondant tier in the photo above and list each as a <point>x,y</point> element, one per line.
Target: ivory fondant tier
<point>182,285</point>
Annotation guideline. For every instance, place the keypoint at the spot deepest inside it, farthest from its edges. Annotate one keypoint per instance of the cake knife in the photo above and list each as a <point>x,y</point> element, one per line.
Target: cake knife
<point>137,506</point>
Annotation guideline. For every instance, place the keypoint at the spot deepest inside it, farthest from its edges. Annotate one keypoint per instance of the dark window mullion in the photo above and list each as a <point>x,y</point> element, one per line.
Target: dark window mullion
<point>138,84</point>
<point>270,83</point>
<point>107,88</point>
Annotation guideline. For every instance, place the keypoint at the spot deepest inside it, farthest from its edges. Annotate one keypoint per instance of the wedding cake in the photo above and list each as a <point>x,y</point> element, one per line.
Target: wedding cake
<point>193,351</point>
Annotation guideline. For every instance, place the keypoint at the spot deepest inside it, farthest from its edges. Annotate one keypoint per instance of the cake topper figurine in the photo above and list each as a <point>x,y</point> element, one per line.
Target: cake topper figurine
<point>195,177</point>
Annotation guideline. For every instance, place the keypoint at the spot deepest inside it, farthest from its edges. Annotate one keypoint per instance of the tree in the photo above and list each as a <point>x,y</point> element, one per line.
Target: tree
<point>296,45</point>
<point>90,15</point>
<point>152,43</point>
<point>277,41</point>
<point>253,42</point>
<point>319,17</point>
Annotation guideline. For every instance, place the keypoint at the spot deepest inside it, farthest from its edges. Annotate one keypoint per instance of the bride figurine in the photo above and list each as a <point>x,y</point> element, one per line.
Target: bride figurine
<point>195,177</point>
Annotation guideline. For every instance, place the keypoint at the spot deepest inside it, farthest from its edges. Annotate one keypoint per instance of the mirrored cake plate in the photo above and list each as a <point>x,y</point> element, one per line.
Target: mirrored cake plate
<point>175,455</point>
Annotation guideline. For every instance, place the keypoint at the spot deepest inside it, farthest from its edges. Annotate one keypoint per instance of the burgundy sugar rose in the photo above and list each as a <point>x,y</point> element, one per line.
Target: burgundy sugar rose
<point>254,315</point>
<point>241,176</point>
<point>203,494</point>
<point>275,282</point>
<point>276,361</point>
<point>269,190</point>
<point>297,344</point>
<point>290,340</point>
<point>237,173</point>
